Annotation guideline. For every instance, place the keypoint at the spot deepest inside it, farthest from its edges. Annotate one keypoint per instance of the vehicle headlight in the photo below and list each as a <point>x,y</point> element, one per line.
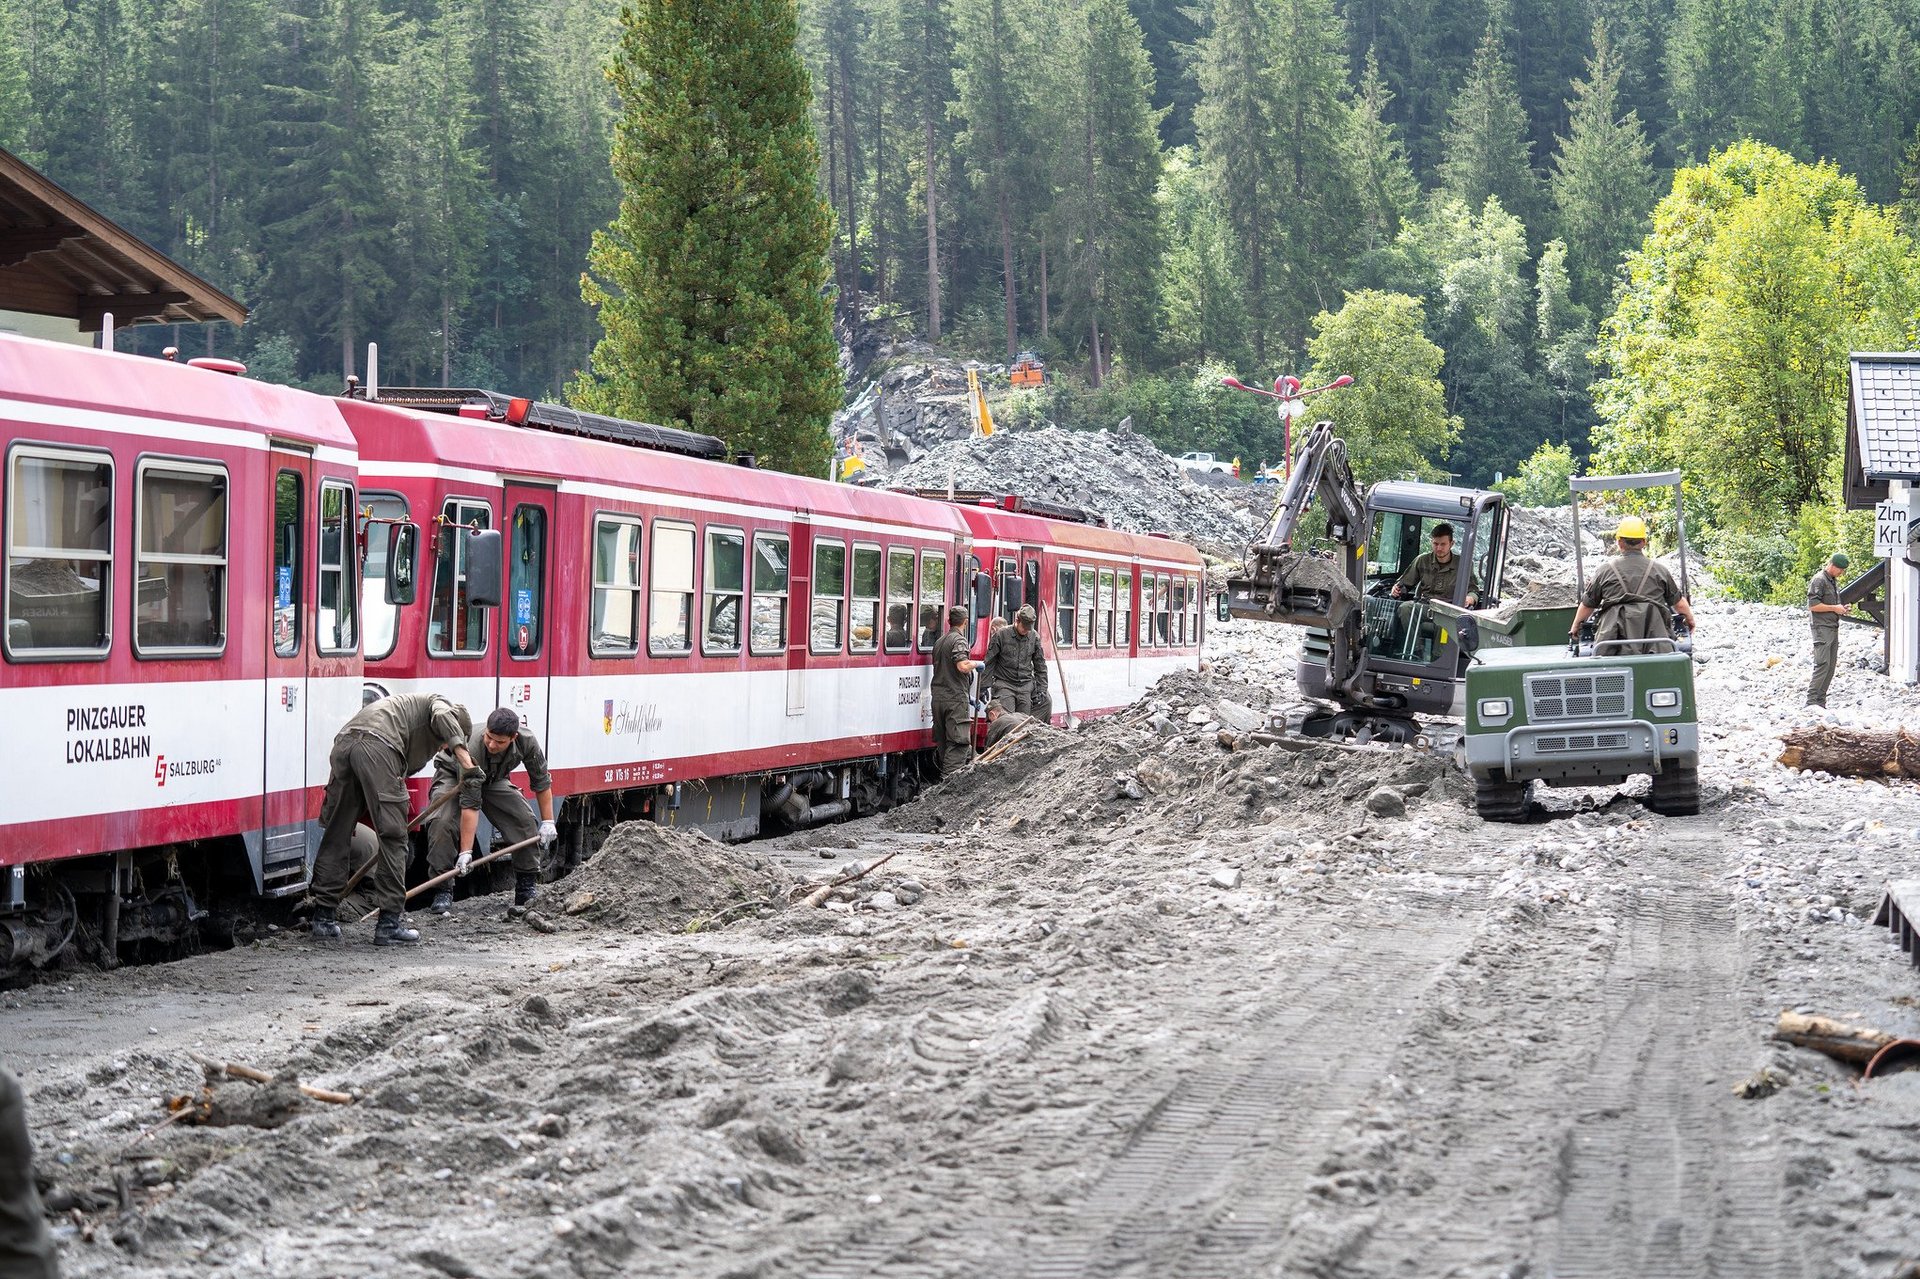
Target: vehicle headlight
<point>1664,698</point>
<point>1495,707</point>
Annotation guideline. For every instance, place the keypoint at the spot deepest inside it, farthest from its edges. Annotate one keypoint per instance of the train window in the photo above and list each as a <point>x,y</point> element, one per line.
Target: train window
<point>767,623</point>
<point>59,544</point>
<point>1193,611</point>
<point>287,492</point>
<point>1179,611</point>
<point>1162,619</point>
<point>863,619</point>
<point>1105,623</point>
<point>1123,605</point>
<point>670,600</point>
<point>381,619</point>
<point>1084,601</point>
<point>1033,586</point>
<point>933,598</point>
<point>334,623</point>
<point>1009,587</point>
<point>456,628</point>
<point>180,604</point>
<point>899,601</point>
<point>526,581</point>
<point>1063,605</point>
<point>1146,610</point>
<point>726,589</point>
<point>829,594</point>
<point>614,628</point>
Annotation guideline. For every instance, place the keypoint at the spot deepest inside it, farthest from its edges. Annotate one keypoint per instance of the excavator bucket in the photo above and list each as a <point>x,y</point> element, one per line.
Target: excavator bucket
<point>1296,589</point>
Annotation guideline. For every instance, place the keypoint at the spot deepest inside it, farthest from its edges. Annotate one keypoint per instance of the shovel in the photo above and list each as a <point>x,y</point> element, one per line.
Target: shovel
<point>475,864</point>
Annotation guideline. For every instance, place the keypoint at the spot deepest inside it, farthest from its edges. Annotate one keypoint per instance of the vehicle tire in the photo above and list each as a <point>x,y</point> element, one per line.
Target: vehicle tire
<point>1676,792</point>
<point>1500,801</point>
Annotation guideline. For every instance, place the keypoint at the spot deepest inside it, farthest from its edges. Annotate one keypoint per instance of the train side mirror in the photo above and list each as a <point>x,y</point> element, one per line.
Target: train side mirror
<point>982,595</point>
<point>403,558</point>
<point>484,562</point>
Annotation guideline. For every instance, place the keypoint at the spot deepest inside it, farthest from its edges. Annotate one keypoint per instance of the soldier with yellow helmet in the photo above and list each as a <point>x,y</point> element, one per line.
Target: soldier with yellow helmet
<point>1634,596</point>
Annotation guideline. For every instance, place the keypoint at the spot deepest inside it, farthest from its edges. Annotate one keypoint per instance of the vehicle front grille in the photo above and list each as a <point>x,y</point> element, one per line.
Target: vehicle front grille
<point>1583,695</point>
<point>1563,743</point>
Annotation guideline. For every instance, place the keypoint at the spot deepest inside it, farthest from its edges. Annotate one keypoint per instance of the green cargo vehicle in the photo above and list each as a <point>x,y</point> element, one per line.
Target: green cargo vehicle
<point>1557,711</point>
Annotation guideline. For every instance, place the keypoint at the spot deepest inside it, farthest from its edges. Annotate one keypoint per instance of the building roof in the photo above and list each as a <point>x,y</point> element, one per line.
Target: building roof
<point>59,257</point>
<point>1883,423</point>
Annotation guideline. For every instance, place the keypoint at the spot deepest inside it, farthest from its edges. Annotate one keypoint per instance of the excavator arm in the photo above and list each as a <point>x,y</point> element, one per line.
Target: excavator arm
<point>1282,585</point>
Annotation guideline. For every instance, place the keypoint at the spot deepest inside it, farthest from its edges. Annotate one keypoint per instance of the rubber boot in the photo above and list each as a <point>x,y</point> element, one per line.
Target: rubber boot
<point>442,901</point>
<point>326,924</point>
<point>526,887</point>
<point>392,930</point>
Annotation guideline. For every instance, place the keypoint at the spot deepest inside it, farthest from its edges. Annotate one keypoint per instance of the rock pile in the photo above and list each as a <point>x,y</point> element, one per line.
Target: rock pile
<point>1122,476</point>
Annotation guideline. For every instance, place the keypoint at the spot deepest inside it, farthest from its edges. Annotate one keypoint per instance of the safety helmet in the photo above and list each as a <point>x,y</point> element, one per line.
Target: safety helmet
<point>1633,528</point>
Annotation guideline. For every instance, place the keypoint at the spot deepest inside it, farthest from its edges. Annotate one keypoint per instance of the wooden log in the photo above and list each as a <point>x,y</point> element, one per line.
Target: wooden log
<point>1849,752</point>
<point>1837,1039</point>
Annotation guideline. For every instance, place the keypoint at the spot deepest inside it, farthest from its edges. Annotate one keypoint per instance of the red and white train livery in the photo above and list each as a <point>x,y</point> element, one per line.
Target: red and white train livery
<point>205,575</point>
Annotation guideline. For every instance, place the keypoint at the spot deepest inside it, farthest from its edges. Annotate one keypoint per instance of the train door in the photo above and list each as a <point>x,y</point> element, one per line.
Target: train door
<point>1128,634</point>
<point>800,614</point>
<point>282,861</point>
<point>526,662</point>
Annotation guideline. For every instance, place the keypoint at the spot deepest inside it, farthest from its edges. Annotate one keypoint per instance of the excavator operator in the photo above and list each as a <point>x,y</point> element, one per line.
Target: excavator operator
<point>1433,573</point>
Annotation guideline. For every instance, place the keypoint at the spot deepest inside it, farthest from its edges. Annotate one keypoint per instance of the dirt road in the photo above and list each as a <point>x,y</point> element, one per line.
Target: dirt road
<point>1253,1021</point>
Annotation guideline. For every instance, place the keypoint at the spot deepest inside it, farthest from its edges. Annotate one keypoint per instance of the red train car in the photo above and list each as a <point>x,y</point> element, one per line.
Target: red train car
<point>205,576</point>
<point>181,638</point>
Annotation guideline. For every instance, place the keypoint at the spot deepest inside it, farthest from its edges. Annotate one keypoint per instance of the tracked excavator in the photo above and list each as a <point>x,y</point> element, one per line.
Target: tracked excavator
<point>1372,664</point>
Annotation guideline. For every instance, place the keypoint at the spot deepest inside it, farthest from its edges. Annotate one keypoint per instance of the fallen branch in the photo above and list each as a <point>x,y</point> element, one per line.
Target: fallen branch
<point>1848,752</point>
<point>1837,1039</point>
<point>217,1069</point>
<point>819,894</point>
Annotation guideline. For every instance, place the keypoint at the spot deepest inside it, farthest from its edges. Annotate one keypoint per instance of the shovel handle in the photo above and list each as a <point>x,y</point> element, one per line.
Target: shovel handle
<point>444,876</point>
<point>353,880</point>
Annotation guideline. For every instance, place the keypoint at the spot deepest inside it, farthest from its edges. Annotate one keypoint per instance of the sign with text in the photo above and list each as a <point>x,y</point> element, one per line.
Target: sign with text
<point>1890,529</point>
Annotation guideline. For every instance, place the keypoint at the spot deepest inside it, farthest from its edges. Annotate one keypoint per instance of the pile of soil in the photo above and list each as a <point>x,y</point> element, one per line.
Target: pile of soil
<point>647,878</point>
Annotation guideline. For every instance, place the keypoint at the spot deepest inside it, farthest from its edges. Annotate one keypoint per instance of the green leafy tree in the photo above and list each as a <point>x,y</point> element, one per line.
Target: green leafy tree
<point>1542,478</point>
<point>1394,417</point>
<point>710,283</point>
<point>1564,341</point>
<point>1727,351</point>
<point>1602,183</point>
<point>1487,153</point>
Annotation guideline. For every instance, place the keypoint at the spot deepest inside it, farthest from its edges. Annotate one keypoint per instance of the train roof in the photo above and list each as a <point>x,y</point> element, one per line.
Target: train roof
<point>989,522</point>
<point>62,375</point>
<point>498,449</point>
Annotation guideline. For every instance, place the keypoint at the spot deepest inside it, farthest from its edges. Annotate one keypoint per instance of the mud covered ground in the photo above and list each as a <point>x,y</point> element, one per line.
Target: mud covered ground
<point>1124,1004</point>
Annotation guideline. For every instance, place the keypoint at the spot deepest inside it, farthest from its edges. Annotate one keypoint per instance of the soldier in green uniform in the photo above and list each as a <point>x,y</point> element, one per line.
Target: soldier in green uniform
<point>382,746</point>
<point>1433,573</point>
<point>1016,668</point>
<point>1003,723</point>
<point>1825,610</point>
<point>1634,595</point>
<point>499,748</point>
<point>952,715</point>
<point>26,1249</point>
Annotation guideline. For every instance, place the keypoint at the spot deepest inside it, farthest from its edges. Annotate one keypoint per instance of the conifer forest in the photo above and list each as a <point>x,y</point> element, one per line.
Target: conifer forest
<point>1643,230</point>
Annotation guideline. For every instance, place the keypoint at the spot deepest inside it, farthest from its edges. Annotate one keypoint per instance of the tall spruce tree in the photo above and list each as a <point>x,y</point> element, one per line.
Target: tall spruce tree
<point>995,67</point>
<point>927,26</point>
<point>710,281</point>
<point>1711,53</point>
<point>1382,176</point>
<point>1602,182</point>
<point>1107,166</point>
<point>1487,152</point>
<point>1240,105</point>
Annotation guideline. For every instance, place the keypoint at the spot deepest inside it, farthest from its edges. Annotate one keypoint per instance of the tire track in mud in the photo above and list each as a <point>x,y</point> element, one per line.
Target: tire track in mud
<point>1666,1173</point>
<point>1176,1135</point>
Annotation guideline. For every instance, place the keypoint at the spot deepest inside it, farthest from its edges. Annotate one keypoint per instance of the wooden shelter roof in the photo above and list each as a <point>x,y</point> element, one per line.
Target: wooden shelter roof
<point>59,257</point>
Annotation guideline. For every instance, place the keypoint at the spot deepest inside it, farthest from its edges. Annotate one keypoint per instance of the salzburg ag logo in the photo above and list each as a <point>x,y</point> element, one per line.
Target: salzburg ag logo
<point>182,768</point>
<point>290,695</point>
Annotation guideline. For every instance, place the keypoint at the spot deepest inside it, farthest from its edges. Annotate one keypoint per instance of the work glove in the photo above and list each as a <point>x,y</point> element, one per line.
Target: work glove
<point>473,773</point>
<point>462,863</point>
<point>548,833</point>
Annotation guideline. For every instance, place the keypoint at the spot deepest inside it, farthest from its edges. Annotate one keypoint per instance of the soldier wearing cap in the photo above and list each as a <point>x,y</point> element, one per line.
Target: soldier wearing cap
<point>382,746</point>
<point>1825,610</point>
<point>952,714</point>
<point>1016,668</point>
<point>499,748</point>
<point>1634,595</point>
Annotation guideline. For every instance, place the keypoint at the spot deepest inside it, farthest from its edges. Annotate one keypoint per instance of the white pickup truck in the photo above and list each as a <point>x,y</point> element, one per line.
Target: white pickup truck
<point>1206,462</point>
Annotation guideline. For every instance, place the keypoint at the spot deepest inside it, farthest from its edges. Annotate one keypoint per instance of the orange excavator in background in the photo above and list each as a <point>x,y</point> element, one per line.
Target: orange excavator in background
<point>1028,369</point>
